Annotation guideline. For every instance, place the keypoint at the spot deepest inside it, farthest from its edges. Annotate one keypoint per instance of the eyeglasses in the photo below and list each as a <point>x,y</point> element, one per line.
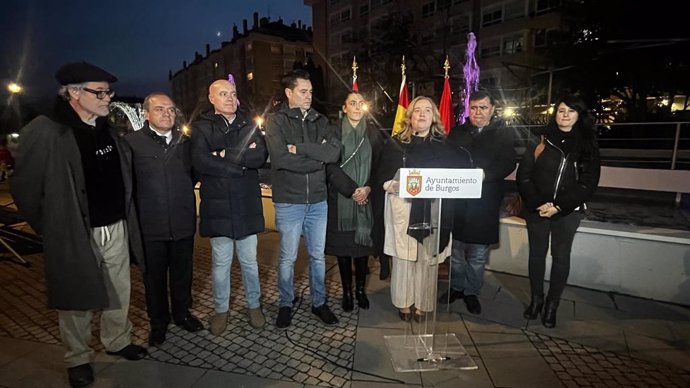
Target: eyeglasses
<point>356,104</point>
<point>100,94</point>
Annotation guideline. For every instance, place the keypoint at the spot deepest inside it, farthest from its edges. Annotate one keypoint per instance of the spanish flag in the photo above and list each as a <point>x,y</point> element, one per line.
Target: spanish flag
<point>403,102</point>
<point>445,108</point>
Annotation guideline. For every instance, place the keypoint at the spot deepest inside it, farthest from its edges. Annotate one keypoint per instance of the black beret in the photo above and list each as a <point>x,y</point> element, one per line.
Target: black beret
<point>76,73</point>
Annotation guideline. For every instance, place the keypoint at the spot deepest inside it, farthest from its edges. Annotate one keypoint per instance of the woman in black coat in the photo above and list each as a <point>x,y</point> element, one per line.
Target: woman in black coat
<point>350,218</point>
<point>421,143</point>
<point>555,178</point>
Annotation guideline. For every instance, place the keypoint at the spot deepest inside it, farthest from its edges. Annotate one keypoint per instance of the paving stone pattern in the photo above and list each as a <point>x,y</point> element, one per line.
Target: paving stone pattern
<point>308,352</point>
<point>583,366</point>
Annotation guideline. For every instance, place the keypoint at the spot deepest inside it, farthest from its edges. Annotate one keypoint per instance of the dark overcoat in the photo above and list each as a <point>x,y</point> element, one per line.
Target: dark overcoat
<point>163,185</point>
<point>342,243</point>
<point>230,193</point>
<point>492,149</point>
<point>49,189</point>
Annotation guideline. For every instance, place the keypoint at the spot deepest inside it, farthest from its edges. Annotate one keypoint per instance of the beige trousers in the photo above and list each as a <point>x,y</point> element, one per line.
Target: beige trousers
<point>413,282</point>
<point>75,326</point>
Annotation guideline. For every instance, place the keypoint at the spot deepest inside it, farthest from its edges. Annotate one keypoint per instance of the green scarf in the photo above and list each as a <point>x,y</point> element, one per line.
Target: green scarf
<point>351,216</point>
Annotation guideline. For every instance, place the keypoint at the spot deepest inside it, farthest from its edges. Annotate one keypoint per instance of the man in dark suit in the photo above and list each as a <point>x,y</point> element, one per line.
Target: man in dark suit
<point>164,192</point>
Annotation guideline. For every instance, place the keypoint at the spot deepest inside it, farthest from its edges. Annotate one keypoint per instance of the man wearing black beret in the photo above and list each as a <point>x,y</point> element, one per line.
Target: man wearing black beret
<point>73,184</point>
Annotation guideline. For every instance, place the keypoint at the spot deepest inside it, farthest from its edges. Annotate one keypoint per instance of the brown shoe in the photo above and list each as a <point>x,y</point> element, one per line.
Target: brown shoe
<point>256,318</point>
<point>218,323</point>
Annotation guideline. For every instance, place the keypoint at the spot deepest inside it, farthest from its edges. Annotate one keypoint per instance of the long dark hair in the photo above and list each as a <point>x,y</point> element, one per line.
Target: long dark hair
<point>584,128</point>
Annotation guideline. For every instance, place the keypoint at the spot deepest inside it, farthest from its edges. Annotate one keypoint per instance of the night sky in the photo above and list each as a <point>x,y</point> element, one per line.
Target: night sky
<point>138,41</point>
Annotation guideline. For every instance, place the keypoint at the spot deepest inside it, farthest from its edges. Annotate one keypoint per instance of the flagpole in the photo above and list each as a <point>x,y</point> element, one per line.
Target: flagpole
<point>355,86</point>
<point>445,106</point>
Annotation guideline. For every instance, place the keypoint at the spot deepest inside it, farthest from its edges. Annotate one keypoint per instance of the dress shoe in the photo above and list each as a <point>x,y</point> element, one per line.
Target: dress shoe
<point>190,323</point>
<point>472,304</point>
<point>130,352</point>
<point>80,376</point>
<point>535,307</point>
<point>256,318</point>
<point>325,314</point>
<point>156,337</point>
<point>548,317</point>
<point>218,323</point>
<point>404,316</point>
<point>284,317</point>
<point>419,315</point>
<point>445,298</point>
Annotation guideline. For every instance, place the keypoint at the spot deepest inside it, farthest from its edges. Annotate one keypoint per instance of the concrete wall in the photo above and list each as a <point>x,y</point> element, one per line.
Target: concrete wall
<point>646,262</point>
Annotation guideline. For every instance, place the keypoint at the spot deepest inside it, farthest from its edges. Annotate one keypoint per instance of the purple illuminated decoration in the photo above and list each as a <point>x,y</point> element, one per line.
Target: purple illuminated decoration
<point>231,79</point>
<point>471,74</point>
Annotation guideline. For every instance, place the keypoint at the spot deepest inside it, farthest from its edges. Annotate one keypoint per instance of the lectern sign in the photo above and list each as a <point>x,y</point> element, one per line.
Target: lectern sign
<point>441,182</point>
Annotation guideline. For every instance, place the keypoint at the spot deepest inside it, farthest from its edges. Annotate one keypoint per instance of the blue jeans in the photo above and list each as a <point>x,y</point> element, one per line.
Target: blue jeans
<point>222,253</point>
<point>467,267</point>
<point>292,221</point>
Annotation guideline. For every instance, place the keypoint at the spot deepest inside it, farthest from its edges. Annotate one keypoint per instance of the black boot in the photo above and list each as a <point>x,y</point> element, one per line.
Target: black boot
<point>385,267</point>
<point>345,267</point>
<point>535,307</point>
<point>548,317</point>
<point>360,281</point>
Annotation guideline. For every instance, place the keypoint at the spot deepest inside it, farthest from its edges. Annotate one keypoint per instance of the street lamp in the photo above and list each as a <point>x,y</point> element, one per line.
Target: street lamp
<point>14,88</point>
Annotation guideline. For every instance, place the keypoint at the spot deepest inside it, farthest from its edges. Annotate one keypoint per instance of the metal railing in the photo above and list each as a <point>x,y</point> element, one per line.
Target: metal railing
<point>656,145</point>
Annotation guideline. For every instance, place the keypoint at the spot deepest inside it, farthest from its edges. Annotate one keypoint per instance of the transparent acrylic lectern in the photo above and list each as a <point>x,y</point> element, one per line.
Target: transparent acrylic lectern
<point>424,346</point>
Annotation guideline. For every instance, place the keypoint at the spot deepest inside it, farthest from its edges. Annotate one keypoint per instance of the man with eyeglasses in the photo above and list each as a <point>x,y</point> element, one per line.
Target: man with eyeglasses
<point>73,184</point>
<point>164,191</point>
<point>489,145</point>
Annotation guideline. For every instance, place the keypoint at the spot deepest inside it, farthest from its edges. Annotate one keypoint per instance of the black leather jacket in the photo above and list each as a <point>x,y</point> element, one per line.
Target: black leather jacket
<point>561,174</point>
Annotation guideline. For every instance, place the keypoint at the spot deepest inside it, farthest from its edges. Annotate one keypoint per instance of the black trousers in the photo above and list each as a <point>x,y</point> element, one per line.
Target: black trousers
<point>173,260</point>
<point>562,232</point>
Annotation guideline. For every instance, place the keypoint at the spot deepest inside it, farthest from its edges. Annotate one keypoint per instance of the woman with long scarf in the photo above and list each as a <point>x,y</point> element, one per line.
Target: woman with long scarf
<point>350,220</point>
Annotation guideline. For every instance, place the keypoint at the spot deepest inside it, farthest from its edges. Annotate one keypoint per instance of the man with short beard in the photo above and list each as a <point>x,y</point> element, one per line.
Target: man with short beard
<point>73,184</point>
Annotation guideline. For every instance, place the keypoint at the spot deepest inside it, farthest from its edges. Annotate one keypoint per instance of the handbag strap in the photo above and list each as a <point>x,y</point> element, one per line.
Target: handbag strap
<point>353,153</point>
<point>539,148</point>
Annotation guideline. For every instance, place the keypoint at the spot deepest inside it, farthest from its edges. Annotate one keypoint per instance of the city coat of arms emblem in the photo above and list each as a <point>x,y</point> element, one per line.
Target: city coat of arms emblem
<point>414,183</point>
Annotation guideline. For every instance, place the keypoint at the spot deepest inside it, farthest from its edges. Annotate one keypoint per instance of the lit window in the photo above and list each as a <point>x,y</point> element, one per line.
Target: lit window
<point>513,44</point>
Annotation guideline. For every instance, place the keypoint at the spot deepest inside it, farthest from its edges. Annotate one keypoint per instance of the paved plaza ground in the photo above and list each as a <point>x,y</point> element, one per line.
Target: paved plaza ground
<point>601,340</point>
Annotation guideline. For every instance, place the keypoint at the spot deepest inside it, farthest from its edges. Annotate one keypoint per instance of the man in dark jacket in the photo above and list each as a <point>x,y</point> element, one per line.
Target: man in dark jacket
<point>164,191</point>
<point>490,147</point>
<point>227,151</point>
<point>73,184</point>
<point>300,143</point>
